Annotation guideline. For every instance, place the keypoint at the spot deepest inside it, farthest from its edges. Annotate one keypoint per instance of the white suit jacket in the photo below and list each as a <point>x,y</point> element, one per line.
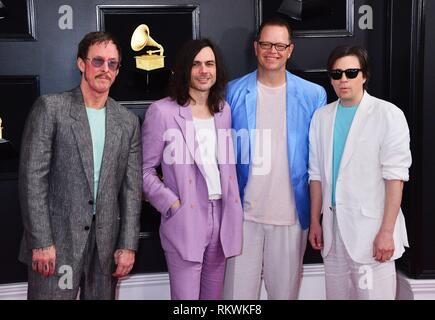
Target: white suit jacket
<point>376,149</point>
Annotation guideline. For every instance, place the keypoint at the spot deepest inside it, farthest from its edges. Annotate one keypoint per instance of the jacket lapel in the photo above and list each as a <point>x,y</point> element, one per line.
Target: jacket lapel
<point>251,112</point>
<point>185,122</point>
<point>328,136</point>
<point>292,118</point>
<point>356,129</point>
<point>111,143</point>
<point>82,134</point>
<point>223,151</point>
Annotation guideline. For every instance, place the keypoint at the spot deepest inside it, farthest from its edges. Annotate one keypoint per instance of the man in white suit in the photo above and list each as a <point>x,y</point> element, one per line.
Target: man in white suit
<point>359,159</point>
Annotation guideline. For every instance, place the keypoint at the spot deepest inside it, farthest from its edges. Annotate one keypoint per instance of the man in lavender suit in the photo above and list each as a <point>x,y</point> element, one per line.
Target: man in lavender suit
<point>189,135</point>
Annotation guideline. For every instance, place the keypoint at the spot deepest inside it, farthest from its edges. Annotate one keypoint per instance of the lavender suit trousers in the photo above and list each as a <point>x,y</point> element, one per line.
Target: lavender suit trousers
<point>200,280</point>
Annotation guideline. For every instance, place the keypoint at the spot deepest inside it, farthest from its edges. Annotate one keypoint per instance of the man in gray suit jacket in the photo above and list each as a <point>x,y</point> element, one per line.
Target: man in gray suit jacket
<point>80,183</point>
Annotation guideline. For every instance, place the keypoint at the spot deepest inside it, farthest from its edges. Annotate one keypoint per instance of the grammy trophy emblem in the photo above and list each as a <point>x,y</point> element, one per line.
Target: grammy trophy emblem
<point>150,61</point>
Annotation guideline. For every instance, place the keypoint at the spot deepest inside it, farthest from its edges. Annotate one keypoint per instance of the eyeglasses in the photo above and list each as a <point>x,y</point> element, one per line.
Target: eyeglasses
<point>350,73</point>
<point>97,62</point>
<point>269,45</point>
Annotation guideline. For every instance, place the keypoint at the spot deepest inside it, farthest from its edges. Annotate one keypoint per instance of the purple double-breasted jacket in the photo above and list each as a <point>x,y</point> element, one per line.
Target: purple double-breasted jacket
<point>168,140</point>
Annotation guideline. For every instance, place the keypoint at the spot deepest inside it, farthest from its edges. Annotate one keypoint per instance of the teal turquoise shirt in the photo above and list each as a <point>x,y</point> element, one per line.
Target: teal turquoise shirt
<point>343,122</point>
<point>97,123</point>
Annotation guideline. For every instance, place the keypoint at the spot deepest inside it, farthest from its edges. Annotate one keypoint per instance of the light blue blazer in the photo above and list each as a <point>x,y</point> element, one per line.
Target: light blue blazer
<point>303,98</point>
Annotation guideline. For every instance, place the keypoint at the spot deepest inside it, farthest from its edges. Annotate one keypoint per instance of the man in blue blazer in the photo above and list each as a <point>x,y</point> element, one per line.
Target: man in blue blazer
<point>271,113</point>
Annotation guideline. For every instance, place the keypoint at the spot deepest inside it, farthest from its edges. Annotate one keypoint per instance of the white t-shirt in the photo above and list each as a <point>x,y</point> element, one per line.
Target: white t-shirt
<point>269,197</point>
<point>205,132</point>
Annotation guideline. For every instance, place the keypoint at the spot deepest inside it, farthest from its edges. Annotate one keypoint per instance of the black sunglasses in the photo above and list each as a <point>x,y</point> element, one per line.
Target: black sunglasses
<point>350,73</point>
<point>97,62</point>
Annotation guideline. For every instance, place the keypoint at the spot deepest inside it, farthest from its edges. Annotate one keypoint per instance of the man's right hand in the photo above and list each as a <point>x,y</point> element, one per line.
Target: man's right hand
<point>44,260</point>
<point>316,236</point>
<point>175,205</point>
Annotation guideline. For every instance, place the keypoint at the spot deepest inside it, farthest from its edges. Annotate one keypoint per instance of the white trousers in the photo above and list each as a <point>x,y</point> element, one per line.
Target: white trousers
<point>346,279</point>
<point>270,252</point>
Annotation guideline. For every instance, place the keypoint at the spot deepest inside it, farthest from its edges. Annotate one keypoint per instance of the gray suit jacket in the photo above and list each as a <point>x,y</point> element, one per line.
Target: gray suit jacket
<point>56,181</point>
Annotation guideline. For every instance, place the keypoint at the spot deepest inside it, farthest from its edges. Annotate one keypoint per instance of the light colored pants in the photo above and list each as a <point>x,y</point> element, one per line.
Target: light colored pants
<point>274,253</point>
<point>200,280</point>
<point>346,279</point>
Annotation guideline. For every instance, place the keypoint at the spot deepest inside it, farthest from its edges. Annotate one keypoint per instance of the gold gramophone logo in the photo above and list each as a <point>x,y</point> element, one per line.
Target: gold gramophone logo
<point>153,59</point>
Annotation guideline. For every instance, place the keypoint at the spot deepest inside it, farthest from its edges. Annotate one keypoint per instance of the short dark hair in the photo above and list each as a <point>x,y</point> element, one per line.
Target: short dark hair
<point>179,83</point>
<point>357,51</point>
<point>96,37</point>
<point>275,21</point>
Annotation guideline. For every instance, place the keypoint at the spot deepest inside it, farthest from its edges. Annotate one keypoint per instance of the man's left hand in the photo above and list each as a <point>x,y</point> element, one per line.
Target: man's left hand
<point>124,260</point>
<point>383,246</point>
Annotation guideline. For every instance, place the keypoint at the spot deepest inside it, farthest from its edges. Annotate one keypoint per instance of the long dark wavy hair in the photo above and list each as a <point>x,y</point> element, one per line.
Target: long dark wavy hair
<point>179,83</point>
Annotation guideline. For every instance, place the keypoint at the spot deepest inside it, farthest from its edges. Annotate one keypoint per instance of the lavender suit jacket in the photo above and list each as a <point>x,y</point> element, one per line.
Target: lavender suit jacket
<point>168,140</point>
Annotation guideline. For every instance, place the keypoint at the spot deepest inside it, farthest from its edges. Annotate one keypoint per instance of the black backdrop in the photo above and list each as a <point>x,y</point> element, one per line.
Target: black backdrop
<point>400,46</point>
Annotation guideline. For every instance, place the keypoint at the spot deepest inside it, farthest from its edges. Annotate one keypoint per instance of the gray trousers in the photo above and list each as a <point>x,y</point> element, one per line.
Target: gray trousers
<point>65,285</point>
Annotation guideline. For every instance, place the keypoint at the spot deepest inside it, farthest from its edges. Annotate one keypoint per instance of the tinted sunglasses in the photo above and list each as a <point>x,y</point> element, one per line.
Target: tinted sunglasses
<point>97,62</point>
<point>350,73</point>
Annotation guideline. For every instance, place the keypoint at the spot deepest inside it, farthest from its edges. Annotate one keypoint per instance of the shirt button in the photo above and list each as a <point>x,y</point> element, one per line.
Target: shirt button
<point>91,202</point>
<point>86,228</point>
